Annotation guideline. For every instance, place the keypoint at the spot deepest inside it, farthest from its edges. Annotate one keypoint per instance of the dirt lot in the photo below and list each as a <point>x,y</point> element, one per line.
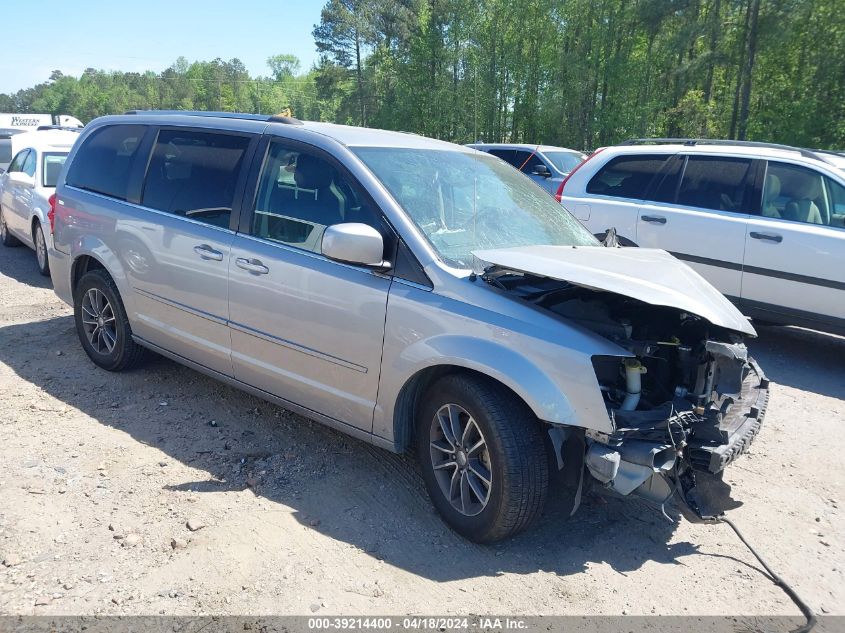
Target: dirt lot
<point>101,474</point>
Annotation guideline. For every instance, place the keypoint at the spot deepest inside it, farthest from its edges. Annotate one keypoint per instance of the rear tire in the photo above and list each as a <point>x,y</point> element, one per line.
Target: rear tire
<point>41,250</point>
<point>6,238</point>
<point>102,325</point>
<point>483,459</point>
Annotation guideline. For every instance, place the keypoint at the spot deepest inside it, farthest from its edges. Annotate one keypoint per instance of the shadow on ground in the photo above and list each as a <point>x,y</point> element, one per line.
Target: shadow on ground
<point>19,263</point>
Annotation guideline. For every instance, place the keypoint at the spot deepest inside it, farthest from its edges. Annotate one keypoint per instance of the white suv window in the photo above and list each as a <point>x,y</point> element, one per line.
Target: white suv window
<point>627,176</point>
<point>715,182</point>
<point>795,193</point>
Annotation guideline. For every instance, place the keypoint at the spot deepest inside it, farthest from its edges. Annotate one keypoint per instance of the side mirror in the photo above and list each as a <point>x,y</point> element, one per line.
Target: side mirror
<point>354,243</point>
<point>20,178</point>
<point>541,170</point>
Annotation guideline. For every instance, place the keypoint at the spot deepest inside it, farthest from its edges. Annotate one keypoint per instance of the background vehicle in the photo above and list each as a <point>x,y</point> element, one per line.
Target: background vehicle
<point>6,151</point>
<point>763,223</point>
<point>362,278</point>
<point>544,164</point>
<point>26,188</point>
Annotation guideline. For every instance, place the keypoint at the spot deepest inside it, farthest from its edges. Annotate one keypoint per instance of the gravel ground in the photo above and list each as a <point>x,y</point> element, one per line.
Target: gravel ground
<point>162,491</point>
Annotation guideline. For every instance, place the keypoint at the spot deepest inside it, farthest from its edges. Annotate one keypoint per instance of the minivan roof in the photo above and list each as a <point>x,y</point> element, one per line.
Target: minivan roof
<point>346,134</point>
<point>46,140</point>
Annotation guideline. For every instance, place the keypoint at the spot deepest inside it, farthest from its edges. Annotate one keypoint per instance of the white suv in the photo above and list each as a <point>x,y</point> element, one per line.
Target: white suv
<point>763,223</point>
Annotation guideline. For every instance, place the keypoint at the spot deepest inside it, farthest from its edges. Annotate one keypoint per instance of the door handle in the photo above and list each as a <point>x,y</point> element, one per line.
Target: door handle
<point>766,236</point>
<point>206,252</point>
<point>654,219</point>
<point>252,265</point>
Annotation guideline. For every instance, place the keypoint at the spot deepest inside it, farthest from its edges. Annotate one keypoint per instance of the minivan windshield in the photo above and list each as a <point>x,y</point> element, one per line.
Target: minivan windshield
<point>564,161</point>
<point>466,201</point>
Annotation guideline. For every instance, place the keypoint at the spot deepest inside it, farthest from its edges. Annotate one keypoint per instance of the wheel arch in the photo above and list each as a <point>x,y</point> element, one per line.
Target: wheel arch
<point>504,367</point>
<point>92,254</point>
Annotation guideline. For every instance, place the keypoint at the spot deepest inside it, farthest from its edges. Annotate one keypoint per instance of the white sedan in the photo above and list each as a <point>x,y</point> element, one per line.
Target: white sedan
<point>27,186</point>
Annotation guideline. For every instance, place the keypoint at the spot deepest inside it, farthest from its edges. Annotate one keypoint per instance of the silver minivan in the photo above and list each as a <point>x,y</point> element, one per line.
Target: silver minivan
<point>416,294</point>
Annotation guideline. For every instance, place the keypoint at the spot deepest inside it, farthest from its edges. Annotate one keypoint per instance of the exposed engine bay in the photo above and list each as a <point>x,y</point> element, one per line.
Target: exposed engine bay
<point>686,402</point>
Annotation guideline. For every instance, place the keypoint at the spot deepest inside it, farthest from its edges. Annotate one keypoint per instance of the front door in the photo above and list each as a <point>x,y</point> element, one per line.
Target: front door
<point>305,328</point>
<point>795,249</point>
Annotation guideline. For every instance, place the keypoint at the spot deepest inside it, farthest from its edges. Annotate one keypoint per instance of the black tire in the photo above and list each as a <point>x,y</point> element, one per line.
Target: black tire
<point>40,243</point>
<point>515,451</point>
<point>6,238</point>
<point>125,352</point>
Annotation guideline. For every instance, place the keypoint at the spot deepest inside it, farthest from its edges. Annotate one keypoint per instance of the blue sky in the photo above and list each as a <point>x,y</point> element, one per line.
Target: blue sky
<point>45,35</point>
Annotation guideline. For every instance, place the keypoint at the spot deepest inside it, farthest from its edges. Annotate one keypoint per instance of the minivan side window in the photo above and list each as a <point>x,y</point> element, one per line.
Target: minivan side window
<point>103,162</point>
<point>715,182</point>
<point>792,192</point>
<point>194,174</point>
<point>300,194</point>
<point>626,176</point>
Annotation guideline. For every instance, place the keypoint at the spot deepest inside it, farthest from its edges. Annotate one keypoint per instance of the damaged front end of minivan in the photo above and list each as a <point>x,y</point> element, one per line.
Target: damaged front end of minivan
<point>684,397</point>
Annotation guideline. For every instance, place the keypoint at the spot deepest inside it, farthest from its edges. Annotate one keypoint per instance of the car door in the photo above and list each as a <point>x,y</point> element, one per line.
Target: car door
<point>698,212</point>
<point>14,193</point>
<point>795,249</point>
<point>176,251</point>
<point>305,328</point>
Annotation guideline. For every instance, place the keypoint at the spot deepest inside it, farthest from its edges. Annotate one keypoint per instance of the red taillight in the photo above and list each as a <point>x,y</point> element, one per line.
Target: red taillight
<point>559,194</point>
<point>51,214</point>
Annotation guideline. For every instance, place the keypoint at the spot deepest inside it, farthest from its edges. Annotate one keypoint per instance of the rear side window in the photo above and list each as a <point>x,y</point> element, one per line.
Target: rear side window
<point>714,182</point>
<point>194,174</point>
<point>103,162</point>
<point>507,155</point>
<point>51,168</point>
<point>626,176</point>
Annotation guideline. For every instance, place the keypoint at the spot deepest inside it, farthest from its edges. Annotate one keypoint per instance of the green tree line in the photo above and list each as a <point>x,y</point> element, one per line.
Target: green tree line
<point>579,73</point>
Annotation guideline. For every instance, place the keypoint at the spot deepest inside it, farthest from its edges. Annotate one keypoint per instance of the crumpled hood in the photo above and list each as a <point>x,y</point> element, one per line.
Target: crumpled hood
<point>650,275</point>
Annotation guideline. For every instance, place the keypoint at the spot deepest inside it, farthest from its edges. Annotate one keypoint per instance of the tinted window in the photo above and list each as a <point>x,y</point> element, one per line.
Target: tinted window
<point>300,194</point>
<point>103,162</point>
<point>507,155</point>
<point>51,167</point>
<point>194,174</point>
<point>626,176</point>
<point>17,162</point>
<point>714,182</point>
<point>795,193</point>
<point>29,164</point>
<point>526,161</point>
<point>667,182</point>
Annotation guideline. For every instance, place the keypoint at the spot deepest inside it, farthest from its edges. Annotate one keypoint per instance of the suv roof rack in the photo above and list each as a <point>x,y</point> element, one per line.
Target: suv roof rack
<point>270,118</point>
<point>691,142</point>
<point>64,128</point>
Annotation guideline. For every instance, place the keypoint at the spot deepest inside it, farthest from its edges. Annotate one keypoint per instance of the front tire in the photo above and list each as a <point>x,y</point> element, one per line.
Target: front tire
<point>41,250</point>
<point>482,456</point>
<point>102,325</point>
<point>6,238</point>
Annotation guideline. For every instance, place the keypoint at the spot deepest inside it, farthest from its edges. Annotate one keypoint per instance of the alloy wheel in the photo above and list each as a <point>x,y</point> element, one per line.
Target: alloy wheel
<point>98,321</point>
<point>40,248</point>
<point>461,459</point>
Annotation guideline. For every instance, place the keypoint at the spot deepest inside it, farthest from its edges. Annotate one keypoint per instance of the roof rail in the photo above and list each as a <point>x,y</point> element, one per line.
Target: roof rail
<point>274,118</point>
<point>691,142</point>
<point>65,128</point>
